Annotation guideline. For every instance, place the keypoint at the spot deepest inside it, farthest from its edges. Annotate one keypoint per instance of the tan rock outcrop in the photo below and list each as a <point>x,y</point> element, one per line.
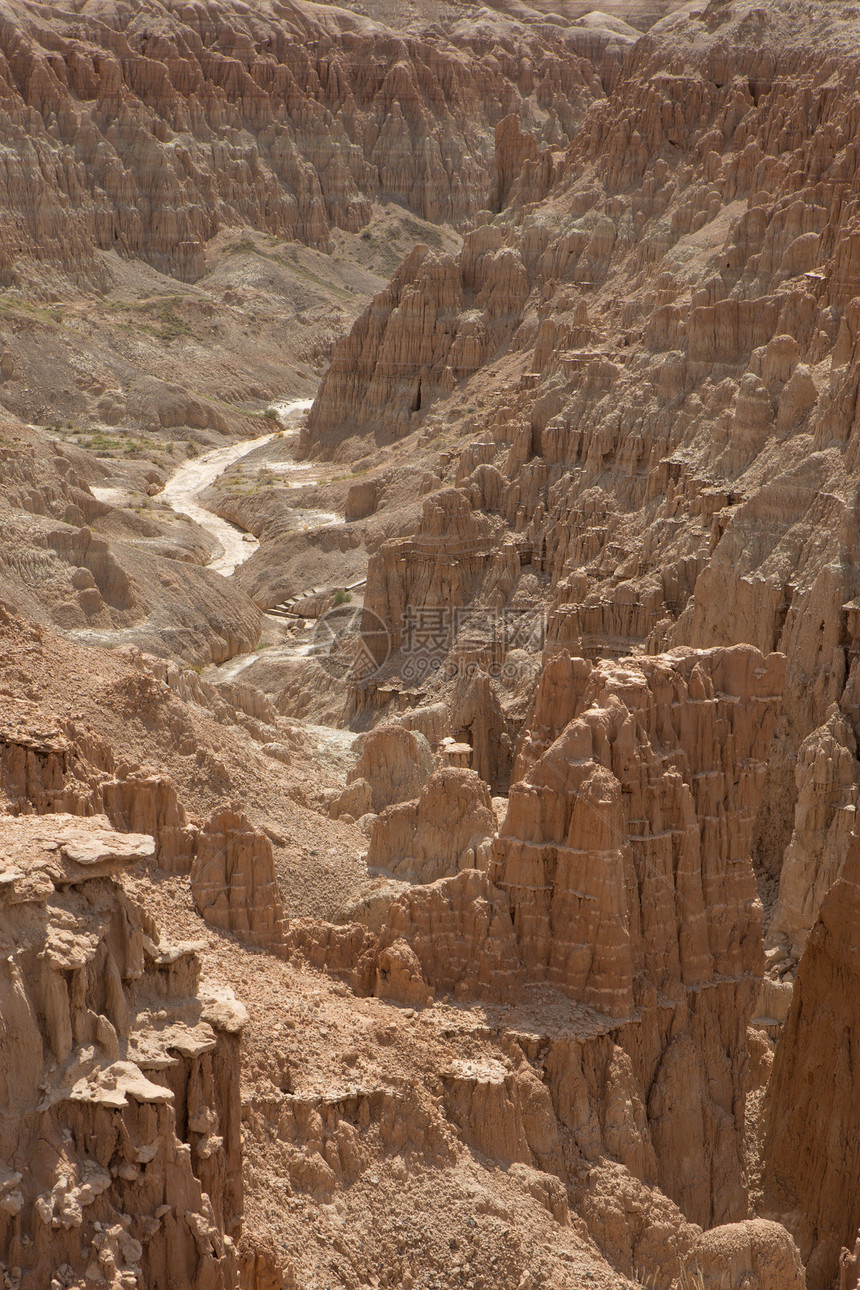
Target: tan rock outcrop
<point>454,935</point>
<point>812,1104</point>
<point>348,952</point>
<point>74,770</point>
<point>121,1145</point>
<point>849,1267</point>
<point>595,802</point>
<point>478,718</point>
<point>233,880</point>
<point>828,786</point>
<point>229,861</point>
<point>370,907</point>
<point>293,121</point>
<point>148,802</point>
<point>402,354</point>
<point>361,500</point>
<point>447,829</point>
<point>754,1254</point>
<point>622,876</point>
<point>506,1111</point>
<point>655,343</point>
<point>417,585</point>
<point>355,800</point>
<point>395,762</point>
<point>513,150</point>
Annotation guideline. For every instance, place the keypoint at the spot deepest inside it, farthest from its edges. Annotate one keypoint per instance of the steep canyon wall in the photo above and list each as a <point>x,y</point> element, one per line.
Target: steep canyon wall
<point>146,133</point>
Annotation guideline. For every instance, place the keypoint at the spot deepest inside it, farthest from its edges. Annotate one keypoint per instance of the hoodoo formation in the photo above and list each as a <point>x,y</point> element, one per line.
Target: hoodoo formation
<point>429,645</point>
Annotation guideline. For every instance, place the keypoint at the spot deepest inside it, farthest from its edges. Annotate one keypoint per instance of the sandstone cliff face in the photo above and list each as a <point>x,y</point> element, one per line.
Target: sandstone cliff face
<point>447,829</point>
<point>656,764</point>
<point>416,585</point>
<point>622,875</point>
<point>146,135</point>
<point>660,329</point>
<point>233,880</point>
<point>824,819</point>
<point>455,936</point>
<point>403,353</point>
<point>119,1076</point>
<point>393,764</point>
<point>812,1102</point>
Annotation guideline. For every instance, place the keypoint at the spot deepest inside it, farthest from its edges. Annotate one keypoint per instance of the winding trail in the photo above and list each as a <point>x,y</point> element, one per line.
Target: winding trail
<point>181,493</point>
<point>190,480</point>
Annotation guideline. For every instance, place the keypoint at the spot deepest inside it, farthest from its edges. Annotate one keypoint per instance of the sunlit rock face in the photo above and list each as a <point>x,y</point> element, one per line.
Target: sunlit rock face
<point>145,134</point>
<point>119,1074</point>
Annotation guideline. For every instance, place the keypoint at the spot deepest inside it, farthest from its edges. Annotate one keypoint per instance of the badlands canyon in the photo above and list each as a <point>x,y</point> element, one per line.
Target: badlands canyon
<point>429,645</point>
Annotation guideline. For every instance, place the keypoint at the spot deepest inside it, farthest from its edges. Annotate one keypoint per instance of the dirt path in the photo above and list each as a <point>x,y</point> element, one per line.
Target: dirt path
<point>194,477</point>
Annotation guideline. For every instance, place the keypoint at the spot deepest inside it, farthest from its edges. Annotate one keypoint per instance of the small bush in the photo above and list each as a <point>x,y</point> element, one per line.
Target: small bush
<point>342,597</point>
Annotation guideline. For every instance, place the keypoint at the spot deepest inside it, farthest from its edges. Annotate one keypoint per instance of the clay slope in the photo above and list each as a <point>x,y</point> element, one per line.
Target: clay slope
<point>84,566</point>
<point>146,133</point>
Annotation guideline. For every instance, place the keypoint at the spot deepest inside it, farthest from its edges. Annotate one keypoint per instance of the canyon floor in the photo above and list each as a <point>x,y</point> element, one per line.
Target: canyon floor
<point>429,637</point>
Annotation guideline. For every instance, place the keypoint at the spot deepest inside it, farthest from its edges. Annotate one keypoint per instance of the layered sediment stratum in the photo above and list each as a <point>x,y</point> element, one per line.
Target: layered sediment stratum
<point>810,1185</point>
<point>659,329</point>
<point>621,874</point>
